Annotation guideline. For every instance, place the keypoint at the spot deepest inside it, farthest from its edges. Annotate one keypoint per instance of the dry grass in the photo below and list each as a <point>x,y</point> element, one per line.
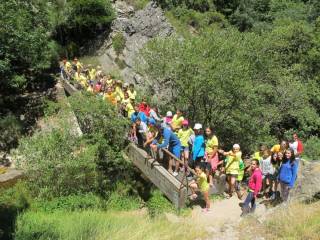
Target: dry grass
<point>297,221</point>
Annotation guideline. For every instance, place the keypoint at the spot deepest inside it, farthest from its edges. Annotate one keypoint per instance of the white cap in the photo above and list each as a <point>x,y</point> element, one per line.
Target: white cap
<point>236,146</point>
<point>169,114</point>
<point>197,126</point>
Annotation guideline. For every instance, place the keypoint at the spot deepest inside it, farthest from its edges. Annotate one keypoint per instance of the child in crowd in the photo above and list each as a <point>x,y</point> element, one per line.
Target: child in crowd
<point>167,120</point>
<point>267,170</point>
<point>276,159</point>
<point>211,153</point>
<point>288,174</point>
<point>255,183</point>
<point>184,135</point>
<point>232,167</point>
<point>198,149</point>
<point>132,92</point>
<point>239,179</point>
<point>177,120</point>
<point>201,184</point>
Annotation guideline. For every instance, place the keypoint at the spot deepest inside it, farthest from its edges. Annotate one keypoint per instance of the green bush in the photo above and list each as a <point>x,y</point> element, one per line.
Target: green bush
<point>11,131</point>
<point>158,204</point>
<point>312,148</point>
<point>118,43</point>
<point>70,203</point>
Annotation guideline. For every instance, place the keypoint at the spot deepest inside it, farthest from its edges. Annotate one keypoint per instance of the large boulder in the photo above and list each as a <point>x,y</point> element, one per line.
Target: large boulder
<point>308,182</point>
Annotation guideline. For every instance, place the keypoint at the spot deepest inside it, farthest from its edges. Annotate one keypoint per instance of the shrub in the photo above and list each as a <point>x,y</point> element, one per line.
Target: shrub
<point>118,43</point>
<point>158,204</point>
<point>312,148</point>
<point>70,203</point>
<point>10,129</point>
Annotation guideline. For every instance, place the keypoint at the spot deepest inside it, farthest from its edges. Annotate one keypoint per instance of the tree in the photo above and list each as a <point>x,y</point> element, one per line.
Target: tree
<point>25,46</point>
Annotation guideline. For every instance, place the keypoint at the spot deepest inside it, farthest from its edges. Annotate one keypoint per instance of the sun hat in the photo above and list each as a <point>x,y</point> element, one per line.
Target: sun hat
<point>197,126</point>
<point>169,114</point>
<point>185,122</point>
<point>236,146</point>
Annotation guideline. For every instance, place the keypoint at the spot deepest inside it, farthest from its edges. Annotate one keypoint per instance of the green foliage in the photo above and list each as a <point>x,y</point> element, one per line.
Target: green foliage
<point>312,148</point>
<point>25,46</point>
<point>70,203</point>
<point>10,129</point>
<point>118,43</point>
<point>59,163</point>
<point>120,202</point>
<point>158,204</point>
<point>76,21</point>
<point>237,82</point>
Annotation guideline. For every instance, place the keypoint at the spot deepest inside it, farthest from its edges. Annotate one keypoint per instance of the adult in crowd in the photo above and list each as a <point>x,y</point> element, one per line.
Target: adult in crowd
<point>170,141</point>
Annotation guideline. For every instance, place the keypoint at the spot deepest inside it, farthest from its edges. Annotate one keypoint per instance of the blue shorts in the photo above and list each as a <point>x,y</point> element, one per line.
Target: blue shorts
<point>175,150</point>
<point>184,149</point>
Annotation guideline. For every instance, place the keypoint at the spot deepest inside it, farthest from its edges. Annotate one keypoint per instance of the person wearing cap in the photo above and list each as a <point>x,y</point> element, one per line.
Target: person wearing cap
<point>139,114</point>
<point>177,120</point>
<point>132,92</point>
<point>184,135</point>
<point>232,167</point>
<point>151,134</point>
<point>167,120</point>
<point>170,141</point>
<point>144,107</point>
<point>198,149</point>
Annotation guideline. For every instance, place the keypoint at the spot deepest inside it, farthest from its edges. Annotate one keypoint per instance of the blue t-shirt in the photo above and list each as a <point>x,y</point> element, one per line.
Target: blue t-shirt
<point>169,139</point>
<point>198,148</point>
<point>140,115</point>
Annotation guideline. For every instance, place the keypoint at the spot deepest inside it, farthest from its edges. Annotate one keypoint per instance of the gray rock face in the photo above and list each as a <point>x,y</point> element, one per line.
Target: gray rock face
<point>308,182</point>
<point>138,28</point>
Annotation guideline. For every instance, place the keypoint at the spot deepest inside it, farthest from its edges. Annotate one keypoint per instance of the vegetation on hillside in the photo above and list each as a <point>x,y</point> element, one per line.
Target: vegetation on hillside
<point>254,84</point>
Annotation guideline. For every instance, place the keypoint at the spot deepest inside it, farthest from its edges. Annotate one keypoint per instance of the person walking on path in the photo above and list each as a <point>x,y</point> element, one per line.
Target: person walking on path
<point>254,186</point>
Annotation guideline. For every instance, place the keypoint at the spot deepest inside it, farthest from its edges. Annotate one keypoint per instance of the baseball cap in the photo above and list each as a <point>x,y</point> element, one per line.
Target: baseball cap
<point>197,126</point>
<point>169,114</point>
<point>236,146</point>
<point>185,122</point>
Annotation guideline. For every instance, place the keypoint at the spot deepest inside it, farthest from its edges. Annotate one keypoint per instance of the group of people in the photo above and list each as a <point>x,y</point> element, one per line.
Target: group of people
<point>194,147</point>
<point>198,148</point>
<point>95,81</point>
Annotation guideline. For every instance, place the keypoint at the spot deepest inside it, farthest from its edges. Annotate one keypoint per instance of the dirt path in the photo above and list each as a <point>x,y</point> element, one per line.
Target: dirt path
<point>222,221</point>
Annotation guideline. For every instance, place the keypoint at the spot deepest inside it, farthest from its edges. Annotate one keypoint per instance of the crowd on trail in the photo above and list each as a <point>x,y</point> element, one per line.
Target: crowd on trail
<point>269,174</point>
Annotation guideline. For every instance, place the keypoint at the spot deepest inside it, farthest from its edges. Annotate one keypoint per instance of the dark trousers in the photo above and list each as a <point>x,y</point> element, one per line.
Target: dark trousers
<point>250,200</point>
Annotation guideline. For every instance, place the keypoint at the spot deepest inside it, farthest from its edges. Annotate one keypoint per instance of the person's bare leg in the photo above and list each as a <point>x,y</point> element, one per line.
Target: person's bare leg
<point>232,185</point>
<point>170,165</point>
<point>207,200</point>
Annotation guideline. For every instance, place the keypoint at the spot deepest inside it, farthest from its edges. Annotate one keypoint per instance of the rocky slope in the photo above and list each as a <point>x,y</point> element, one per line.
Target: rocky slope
<point>138,27</point>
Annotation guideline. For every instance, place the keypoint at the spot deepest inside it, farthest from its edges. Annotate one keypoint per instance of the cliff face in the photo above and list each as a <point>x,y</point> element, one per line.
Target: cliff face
<point>137,27</point>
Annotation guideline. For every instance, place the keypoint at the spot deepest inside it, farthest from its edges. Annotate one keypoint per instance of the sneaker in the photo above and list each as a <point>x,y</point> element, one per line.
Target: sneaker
<point>175,174</point>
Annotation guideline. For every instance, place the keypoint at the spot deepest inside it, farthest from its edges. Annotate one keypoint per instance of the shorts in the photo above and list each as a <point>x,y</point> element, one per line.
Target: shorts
<point>232,175</point>
<point>175,150</point>
<point>184,149</point>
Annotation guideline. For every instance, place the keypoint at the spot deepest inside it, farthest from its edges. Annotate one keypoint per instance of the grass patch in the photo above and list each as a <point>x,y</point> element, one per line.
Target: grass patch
<point>158,204</point>
<point>99,225</point>
<point>138,4</point>
<point>298,221</point>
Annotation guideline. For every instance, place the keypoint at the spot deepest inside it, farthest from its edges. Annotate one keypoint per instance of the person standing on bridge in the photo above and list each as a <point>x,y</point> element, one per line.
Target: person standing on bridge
<point>170,141</point>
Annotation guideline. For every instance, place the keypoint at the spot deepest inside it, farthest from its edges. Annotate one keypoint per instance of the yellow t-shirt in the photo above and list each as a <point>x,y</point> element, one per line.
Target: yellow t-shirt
<point>232,166</point>
<point>211,143</point>
<point>177,121</point>
<point>90,89</point>
<point>184,136</point>
<point>256,156</point>
<point>125,101</point>
<point>83,80</point>
<point>68,66</point>
<point>132,94</point>
<point>202,182</point>
<point>129,110</point>
<point>109,83</point>
<point>276,148</point>
<point>92,74</point>
<point>110,98</point>
<point>119,94</point>
<point>79,66</point>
